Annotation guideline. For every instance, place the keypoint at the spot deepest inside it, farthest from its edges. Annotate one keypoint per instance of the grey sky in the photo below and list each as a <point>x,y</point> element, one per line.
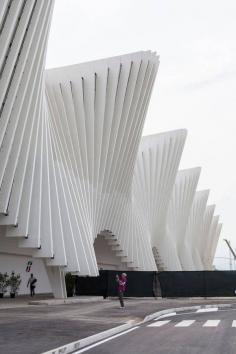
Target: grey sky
<point>196,83</point>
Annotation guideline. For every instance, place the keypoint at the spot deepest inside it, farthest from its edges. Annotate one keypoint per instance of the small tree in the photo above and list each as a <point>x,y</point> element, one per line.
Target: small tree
<point>4,282</point>
<point>14,283</point>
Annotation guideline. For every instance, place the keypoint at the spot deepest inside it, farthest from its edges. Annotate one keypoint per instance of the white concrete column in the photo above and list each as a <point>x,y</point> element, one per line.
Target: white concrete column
<point>56,278</point>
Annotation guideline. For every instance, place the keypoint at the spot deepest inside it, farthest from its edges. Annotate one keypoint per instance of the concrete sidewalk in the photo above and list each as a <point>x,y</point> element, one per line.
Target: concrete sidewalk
<point>34,329</point>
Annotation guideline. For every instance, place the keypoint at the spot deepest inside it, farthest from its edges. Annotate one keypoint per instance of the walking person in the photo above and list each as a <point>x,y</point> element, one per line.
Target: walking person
<point>121,282</point>
<point>32,283</point>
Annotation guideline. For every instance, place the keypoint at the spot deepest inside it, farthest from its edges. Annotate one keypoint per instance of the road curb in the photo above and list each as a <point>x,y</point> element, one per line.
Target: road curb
<point>68,301</point>
<point>184,308</point>
<point>81,343</point>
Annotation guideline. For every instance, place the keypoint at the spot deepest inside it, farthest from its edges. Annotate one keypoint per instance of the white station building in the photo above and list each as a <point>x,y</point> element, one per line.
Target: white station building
<point>80,189</point>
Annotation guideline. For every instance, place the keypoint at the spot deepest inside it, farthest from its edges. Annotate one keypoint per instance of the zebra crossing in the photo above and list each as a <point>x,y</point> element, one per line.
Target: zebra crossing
<point>167,318</point>
<point>188,323</point>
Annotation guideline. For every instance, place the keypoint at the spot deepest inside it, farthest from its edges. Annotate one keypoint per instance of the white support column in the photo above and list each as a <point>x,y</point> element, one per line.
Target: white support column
<point>56,278</point>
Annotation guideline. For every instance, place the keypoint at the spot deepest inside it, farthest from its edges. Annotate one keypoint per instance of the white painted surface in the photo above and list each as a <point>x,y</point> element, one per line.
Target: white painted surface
<point>188,323</point>
<point>211,323</point>
<point>185,323</point>
<point>159,323</point>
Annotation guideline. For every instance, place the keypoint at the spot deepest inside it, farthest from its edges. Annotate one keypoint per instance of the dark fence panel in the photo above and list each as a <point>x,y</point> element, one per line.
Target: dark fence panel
<point>198,284</point>
<point>96,286</point>
<point>139,284</point>
<point>165,284</point>
<point>182,284</point>
<point>221,283</point>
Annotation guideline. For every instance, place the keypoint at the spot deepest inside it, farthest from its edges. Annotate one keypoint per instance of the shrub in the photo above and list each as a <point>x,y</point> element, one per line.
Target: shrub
<point>4,282</point>
<point>14,283</point>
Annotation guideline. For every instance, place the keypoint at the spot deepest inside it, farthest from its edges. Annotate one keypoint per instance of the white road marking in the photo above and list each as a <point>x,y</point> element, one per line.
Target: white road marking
<point>158,323</point>
<point>211,323</point>
<point>185,323</point>
<point>208,309</point>
<point>166,315</point>
<point>188,323</point>
<point>105,340</point>
<point>234,323</point>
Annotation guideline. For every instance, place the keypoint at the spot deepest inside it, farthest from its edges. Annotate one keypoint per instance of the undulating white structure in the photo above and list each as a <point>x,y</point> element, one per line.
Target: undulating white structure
<point>179,213</point>
<point>96,115</point>
<point>154,177</point>
<point>79,189</point>
<point>193,237</point>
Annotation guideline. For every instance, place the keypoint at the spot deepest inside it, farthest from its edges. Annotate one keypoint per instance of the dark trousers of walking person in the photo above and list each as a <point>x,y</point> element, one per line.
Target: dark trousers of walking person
<point>32,292</point>
<point>121,298</point>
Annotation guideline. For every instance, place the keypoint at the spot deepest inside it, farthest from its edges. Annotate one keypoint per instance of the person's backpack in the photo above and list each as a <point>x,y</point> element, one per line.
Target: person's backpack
<point>34,281</point>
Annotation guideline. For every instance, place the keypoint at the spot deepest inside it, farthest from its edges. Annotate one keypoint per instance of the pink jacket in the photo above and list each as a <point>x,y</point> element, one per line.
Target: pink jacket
<point>122,283</point>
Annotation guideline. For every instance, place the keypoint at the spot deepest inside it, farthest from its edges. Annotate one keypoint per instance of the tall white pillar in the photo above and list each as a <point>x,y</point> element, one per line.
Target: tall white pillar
<point>56,278</point>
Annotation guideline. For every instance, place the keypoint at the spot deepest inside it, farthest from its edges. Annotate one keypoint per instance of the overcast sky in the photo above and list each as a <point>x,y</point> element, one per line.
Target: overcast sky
<point>196,84</point>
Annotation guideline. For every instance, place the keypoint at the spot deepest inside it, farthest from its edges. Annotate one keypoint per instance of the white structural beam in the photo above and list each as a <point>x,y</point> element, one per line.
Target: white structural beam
<point>213,236</point>
<point>204,245</point>
<point>190,256</point>
<point>214,243</point>
<point>154,177</point>
<point>179,211</point>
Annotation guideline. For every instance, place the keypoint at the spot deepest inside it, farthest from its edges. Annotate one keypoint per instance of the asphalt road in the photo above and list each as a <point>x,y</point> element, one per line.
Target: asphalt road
<point>187,333</point>
<point>35,329</point>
